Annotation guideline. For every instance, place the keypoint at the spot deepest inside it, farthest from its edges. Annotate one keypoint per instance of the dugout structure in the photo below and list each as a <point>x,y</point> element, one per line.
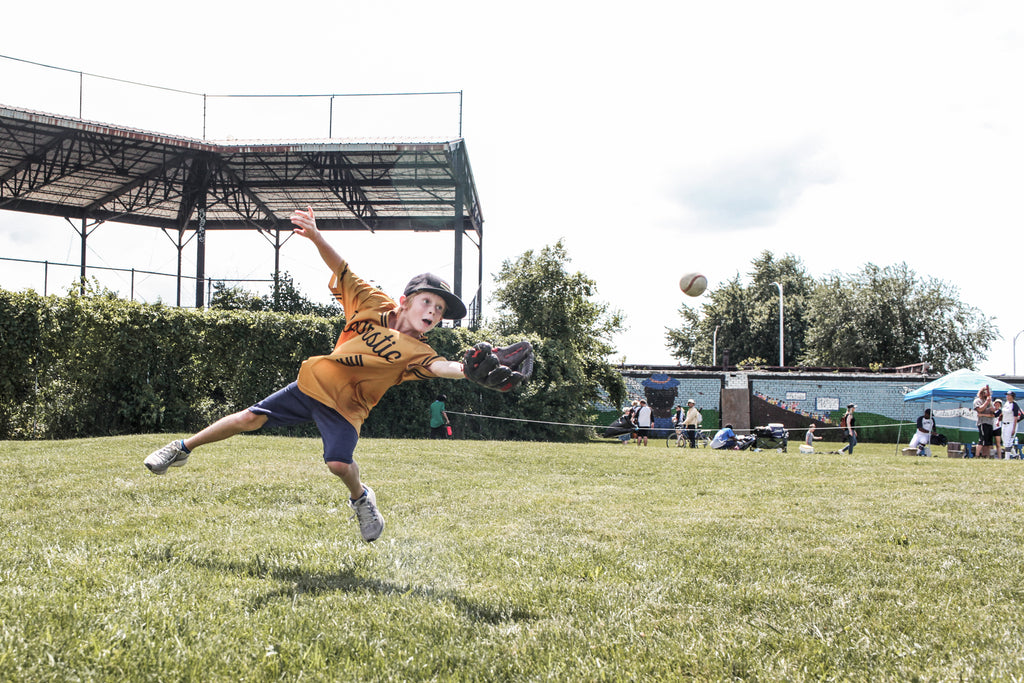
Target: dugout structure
<point>90,173</point>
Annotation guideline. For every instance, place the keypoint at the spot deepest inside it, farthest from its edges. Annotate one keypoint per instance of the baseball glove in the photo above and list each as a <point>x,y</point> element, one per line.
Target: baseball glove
<point>499,368</point>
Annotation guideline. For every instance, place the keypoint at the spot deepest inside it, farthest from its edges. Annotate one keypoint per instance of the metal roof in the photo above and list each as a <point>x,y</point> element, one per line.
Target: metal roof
<point>97,172</point>
<point>79,169</point>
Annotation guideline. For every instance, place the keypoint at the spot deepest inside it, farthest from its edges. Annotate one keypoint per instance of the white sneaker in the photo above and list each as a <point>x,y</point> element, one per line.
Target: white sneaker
<point>371,524</point>
<point>171,455</point>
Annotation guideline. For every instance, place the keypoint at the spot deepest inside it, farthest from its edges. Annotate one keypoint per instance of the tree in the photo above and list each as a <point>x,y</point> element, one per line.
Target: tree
<point>235,298</point>
<point>284,298</point>
<point>878,316</point>
<point>747,317</point>
<point>891,317</point>
<point>536,295</point>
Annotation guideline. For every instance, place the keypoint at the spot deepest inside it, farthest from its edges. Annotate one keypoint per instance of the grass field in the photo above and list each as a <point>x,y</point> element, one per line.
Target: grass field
<point>508,562</point>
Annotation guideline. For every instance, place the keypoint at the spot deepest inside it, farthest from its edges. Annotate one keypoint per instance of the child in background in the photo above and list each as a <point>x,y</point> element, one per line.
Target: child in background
<point>810,439</point>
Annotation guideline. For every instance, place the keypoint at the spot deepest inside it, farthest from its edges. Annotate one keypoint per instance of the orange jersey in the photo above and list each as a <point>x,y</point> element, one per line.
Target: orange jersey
<point>369,357</point>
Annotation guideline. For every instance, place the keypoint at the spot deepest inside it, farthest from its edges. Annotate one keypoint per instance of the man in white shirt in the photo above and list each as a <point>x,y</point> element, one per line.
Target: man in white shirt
<point>644,422</point>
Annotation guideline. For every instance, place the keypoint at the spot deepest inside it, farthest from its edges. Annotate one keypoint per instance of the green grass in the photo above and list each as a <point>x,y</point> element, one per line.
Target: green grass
<point>507,562</point>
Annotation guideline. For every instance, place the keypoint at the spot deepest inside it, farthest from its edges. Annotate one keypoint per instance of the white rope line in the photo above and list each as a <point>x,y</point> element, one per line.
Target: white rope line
<point>599,426</point>
<point>519,419</point>
<point>859,427</point>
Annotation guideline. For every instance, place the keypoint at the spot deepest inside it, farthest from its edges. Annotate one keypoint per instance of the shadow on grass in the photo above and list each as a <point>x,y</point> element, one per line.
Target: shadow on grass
<point>348,580</point>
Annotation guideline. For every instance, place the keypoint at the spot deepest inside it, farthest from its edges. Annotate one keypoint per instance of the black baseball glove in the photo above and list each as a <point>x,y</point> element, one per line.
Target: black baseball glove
<point>499,368</point>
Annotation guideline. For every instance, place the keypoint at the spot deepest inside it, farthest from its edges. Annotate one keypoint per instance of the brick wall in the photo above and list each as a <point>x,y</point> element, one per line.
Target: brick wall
<point>666,391</point>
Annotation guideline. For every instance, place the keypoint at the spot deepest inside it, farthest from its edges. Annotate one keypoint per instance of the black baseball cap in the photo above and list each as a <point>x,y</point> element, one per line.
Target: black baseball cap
<point>428,282</point>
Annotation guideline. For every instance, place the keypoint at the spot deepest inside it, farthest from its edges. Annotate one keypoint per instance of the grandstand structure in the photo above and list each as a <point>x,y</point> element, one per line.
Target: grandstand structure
<point>90,173</point>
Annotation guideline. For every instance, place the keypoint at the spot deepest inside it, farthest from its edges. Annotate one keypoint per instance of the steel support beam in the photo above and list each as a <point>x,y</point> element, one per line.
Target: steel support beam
<point>459,227</point>
<point>201,254</point>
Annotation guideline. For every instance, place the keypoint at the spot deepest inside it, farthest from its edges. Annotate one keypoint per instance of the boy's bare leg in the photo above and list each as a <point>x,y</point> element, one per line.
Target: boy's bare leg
<point>226,427</point>
<point>248,421</point>
<point>361,499</point>
<point>172,454</point>
<point>349,475</point>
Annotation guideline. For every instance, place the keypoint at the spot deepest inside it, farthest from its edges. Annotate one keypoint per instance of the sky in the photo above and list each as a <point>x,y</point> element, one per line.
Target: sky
<point>653,138</point>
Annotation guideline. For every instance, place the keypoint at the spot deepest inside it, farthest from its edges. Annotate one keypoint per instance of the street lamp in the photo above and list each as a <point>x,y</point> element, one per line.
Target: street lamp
<point>1015,352</point>
<point>781,348</point>
<point>714,347</point>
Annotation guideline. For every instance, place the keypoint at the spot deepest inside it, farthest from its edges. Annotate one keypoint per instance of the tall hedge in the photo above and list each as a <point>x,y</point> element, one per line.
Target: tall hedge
<point>94,366</point>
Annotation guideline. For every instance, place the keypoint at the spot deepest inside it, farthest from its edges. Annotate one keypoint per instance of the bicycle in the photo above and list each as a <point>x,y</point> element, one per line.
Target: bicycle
<point>677,438</point>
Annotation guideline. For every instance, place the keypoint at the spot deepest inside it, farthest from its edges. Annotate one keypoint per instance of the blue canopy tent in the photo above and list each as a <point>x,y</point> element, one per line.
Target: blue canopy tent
<point>958,387</point>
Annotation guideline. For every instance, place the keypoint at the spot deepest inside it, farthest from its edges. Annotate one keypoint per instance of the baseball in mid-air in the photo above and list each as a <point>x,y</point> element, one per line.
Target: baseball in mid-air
<point>693,284</point>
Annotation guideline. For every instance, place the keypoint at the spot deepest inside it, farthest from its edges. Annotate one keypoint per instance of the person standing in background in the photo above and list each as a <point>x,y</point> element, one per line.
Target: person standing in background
<point>692,422</point>
<point>997,430</point>
<point>1010,419</point>
<point>848,431</point>
<point>644,422</point>
<point>439,425</point>
<point>677,424</point>
<point>983,411</point>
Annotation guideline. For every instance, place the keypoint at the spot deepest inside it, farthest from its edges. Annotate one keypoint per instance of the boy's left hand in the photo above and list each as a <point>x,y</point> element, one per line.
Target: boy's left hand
<point>518,357</point>
<point>305,222</point>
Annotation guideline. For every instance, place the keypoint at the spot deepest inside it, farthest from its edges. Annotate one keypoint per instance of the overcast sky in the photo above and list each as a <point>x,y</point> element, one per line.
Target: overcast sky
<point>655,138</point>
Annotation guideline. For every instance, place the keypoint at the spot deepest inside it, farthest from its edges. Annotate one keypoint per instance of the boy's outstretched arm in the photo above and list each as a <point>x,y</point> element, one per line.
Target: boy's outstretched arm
<point>305,225</point>
<point>448,369</point>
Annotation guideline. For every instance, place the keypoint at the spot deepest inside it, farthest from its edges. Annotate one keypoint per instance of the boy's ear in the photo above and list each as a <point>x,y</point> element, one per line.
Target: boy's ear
<point>401,301</point>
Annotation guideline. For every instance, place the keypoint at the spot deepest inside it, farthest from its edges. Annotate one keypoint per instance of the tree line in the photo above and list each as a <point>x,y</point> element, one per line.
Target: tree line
<point>876,317</point>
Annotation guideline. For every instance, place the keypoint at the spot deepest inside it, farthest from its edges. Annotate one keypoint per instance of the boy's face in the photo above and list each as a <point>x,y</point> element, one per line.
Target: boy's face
<point>423,311</point>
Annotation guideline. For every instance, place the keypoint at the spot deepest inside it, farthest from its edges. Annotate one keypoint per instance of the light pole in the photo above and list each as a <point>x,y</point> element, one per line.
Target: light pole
<point>714,347</point>
<point>781,347</point>
<point>1015,352</point>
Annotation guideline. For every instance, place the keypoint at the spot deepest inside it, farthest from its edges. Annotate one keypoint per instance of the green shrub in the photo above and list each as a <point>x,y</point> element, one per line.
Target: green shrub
<point>79,366</point>
<point>89,366</point>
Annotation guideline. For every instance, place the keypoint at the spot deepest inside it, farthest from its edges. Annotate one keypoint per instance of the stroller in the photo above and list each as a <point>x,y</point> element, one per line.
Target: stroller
<point>772,436</point>
<point>618,428</point>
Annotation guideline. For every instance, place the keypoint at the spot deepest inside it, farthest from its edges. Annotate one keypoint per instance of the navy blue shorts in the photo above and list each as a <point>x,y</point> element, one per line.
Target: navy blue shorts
<point>289,406</point>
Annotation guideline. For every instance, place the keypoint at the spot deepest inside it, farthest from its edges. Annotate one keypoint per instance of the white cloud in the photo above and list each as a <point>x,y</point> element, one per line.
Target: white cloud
<point>754,190</point>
